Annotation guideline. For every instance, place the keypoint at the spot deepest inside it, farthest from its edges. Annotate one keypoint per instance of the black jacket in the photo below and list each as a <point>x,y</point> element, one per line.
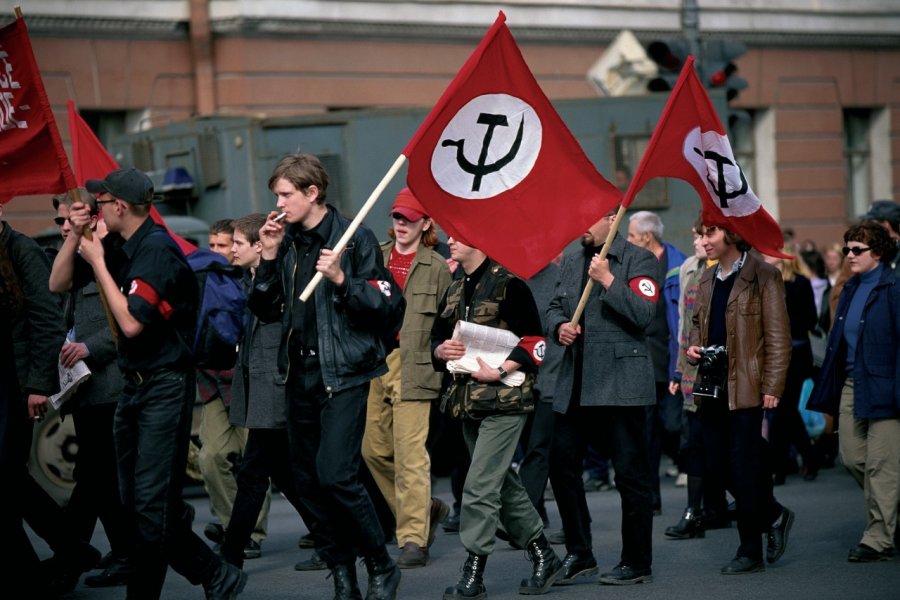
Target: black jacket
<point>39,333</point>
<point>348,318</point>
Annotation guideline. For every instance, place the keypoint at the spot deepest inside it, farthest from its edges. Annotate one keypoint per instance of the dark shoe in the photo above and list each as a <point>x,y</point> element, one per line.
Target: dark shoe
<point>863,553</point>
<point>711,519</point>
<point>436,515</point>
<point>306,541</point>
<point>592,484</point>
<point>346,586</point>
<point>226,584</point>
<point>384,578</point>
<point>777,539</point>
<point>471,584</point>
<point>575,566</point>
<point>451,523</point>
<point>252,550</point>
<point>625,575</point>
<point>62,571</point>
<point>689,527</point>
<point>116,573</point>
<point>214,532</point>
<point>558,538</point>
<point>545,567</point>
<point>313,563</point>
<point>742,565</point>
<point>107,560</point>
<point>412,556</point>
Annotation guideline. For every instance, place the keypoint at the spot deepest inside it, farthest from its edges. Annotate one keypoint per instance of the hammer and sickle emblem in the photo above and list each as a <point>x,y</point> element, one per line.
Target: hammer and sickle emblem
<point>720,188</point>
<point>483,168</point>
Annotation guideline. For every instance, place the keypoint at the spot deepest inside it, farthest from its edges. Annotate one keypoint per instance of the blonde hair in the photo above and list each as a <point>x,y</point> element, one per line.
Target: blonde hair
<point>791,267</point>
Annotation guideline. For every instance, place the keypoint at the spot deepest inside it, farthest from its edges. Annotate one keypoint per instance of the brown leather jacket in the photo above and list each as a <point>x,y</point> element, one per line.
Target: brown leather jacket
<point>759,335</point>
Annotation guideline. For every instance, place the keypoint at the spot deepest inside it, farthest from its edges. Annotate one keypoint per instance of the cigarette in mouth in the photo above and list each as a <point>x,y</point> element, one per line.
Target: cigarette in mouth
<point>279,217</point>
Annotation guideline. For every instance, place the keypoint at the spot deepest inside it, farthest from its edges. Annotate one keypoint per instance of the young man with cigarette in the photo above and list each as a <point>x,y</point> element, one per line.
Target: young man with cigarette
<point>330,351</point>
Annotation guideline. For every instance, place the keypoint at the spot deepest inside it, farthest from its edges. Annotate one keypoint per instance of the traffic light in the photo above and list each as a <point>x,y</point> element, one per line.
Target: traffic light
<point>718,68</point>
<point>669,56</point>
<point>719,71</point>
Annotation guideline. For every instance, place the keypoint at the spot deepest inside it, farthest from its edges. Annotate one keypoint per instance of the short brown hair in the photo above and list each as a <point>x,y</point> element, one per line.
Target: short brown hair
<point>876,237</point>
<point>301,170</point>
<point>75,195</point>
<point>249,226</point>
<point>222,226</point>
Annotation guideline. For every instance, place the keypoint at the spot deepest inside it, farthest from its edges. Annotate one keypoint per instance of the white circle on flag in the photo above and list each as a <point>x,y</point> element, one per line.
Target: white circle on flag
<point>487,148</point>
<point>709,151</point>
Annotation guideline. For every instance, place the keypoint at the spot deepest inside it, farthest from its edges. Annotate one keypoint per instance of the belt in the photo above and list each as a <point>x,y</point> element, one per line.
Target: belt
<point>141,377</point>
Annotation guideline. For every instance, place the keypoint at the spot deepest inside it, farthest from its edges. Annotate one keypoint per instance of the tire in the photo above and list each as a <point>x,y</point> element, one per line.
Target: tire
<point>53,451</point>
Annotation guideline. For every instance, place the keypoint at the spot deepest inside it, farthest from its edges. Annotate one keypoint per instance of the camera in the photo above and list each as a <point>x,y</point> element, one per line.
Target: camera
<point>712,373</point>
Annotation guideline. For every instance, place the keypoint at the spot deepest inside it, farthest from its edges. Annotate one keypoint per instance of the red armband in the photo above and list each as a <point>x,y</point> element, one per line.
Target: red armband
<point>145,292</point>
<point>646,287</point>
<point>381,285</point>
<point>535,346</point>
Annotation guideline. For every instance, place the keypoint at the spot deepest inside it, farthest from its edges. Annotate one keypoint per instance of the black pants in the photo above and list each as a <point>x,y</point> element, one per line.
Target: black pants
<point>325,434</point>
<point>537,440</point>
<point>620,432</point>
<point>96,494</point>
<point>266,461</point>
<point>736,452</point>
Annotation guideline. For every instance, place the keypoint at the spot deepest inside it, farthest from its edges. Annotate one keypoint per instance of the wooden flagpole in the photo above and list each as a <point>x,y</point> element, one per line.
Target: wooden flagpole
<point>590,282</point>
<point>357,221</point>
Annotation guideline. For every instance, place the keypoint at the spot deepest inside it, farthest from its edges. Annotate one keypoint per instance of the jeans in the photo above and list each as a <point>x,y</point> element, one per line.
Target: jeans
<point>152,430</point>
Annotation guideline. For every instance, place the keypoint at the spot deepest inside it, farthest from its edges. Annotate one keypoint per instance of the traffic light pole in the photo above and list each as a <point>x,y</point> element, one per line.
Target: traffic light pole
<point>690,26</point>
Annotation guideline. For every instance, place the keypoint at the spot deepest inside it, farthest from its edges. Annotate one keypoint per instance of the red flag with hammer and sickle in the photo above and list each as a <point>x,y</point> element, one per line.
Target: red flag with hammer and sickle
<point>494,164</point>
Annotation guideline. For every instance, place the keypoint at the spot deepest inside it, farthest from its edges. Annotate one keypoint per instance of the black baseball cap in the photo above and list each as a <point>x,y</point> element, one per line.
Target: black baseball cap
<point>884,210</point>
<point>130,185</point>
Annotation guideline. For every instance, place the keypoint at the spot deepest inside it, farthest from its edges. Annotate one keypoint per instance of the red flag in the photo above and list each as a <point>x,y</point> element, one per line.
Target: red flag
<point>92,161</point>
<point>690,143</point>
<point>32,156</point>
<point>495,165</point>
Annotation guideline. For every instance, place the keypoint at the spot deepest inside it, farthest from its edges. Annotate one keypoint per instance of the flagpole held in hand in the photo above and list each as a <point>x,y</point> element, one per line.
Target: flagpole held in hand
<point>357,221</point>
<point>110,319</point>
<point>576,316</point>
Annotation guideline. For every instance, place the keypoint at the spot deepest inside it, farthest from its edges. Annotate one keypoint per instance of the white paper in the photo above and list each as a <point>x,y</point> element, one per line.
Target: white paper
<point>490,344</point>
<point>69,380</point>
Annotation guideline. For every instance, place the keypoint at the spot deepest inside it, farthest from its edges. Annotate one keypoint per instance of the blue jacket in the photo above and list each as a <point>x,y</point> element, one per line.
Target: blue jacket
<point>671,293</point>
<point>876,368</point>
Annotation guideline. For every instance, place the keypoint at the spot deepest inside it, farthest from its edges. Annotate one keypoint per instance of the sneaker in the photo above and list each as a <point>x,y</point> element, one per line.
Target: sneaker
<point>252,550</point>
<point>864,553</point>
<point>306,541</point>
<point>313,563</point>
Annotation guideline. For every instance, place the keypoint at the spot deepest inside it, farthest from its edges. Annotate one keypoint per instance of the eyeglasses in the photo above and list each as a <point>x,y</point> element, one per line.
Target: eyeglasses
<point>60,221</point>
<point>855,251</point>
<point>100,202</point>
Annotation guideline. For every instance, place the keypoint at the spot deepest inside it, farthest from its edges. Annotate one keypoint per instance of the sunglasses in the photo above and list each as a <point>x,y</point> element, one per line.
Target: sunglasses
<point>60,221</point>
<point>856,251</point>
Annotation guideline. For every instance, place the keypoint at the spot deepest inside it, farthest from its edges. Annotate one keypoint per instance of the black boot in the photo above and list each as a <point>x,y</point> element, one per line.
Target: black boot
<point>227,582</point>
<point>471,585</point>
<point>346,586</point>
<point>546,567</point>
<point>384,577</point>
<point>690,526</point>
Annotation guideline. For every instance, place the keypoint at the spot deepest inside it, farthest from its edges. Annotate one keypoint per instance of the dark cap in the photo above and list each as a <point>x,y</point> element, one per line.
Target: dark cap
<point>884,210</point>
<point>130,185</point>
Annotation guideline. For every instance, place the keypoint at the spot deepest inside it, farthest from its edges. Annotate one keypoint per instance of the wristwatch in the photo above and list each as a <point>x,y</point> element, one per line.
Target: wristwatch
<point>502,372</point>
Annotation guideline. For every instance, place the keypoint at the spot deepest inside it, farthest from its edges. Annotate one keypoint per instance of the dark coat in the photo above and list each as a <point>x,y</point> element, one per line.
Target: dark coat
<point>39,335</point>
<point>92,328</point>
<point>876,367</point>
<point>263,406</point>
<point>617,368</point>
<point>350,349</point>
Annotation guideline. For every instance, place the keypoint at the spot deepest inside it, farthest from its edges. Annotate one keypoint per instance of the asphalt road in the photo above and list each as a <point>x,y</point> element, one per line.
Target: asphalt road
<point>829,521</point>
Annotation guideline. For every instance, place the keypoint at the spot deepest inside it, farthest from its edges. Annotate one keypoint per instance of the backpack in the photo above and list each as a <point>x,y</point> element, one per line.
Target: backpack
<point>221,314</point>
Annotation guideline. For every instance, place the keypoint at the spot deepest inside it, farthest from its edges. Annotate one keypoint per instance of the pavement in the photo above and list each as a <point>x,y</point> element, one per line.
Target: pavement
<point>830,519</point>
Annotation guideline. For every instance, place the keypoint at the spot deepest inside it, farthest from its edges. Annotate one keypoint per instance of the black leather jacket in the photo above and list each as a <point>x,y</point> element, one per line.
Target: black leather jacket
<point>350,350</point>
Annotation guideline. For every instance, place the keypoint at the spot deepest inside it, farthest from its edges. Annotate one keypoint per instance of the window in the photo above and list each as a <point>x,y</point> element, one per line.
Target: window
<point>858,158</point>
